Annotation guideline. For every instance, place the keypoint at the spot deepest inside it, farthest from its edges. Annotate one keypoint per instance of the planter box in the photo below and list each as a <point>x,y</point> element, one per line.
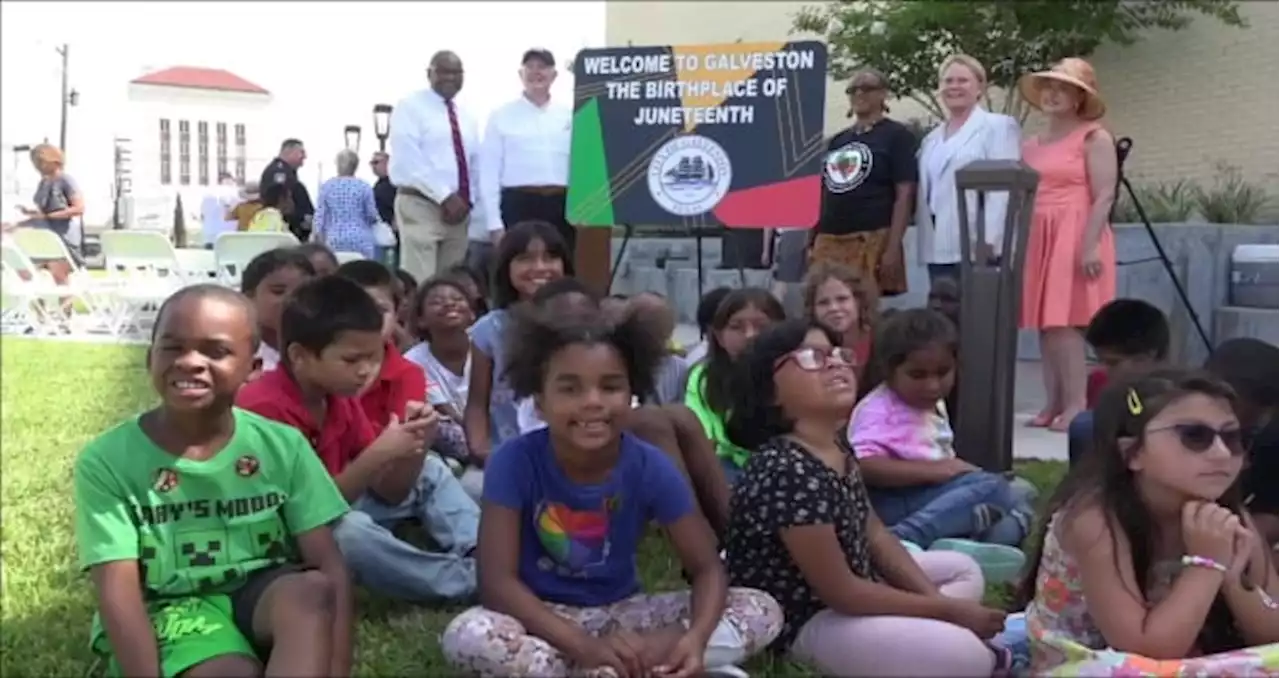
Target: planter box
<point>1201,255</point>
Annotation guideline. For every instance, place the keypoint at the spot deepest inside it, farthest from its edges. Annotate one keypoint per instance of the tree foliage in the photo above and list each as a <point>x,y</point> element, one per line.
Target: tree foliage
<point>908,40</point>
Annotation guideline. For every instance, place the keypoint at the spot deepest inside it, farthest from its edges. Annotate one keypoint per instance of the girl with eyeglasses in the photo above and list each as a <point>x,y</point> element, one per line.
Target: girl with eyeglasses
<point>1148,563</point>
<point>802,529</point>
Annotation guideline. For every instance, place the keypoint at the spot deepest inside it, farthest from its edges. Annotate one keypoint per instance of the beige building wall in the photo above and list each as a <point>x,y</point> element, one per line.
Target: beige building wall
<point>1190,99</point>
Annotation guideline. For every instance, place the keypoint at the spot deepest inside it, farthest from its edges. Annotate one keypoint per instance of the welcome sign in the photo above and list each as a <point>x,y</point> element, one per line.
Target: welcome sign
<point>703,135</point>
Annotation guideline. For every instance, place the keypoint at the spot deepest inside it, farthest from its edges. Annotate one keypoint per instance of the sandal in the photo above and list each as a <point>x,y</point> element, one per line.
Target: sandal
<point>1042,420</point>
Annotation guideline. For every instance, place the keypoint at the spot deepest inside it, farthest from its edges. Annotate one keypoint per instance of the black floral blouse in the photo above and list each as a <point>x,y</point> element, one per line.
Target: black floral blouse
<point>784,486</point>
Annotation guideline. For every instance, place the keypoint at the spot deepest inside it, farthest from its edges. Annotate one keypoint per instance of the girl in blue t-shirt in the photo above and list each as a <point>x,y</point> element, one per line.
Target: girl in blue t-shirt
<point>531,255</point>
<point>564,511</point>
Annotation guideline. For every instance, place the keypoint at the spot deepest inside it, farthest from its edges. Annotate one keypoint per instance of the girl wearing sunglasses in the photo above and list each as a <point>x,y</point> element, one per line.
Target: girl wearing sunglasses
<point>801,527</point>
<point>1148,563</point>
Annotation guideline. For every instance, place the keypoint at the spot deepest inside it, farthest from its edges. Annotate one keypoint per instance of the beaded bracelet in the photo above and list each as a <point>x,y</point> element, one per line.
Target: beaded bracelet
<point>1201,561</point>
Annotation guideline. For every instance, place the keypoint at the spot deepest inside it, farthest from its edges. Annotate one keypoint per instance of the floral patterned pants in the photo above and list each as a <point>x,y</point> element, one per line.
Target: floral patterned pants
<point>486,643</point>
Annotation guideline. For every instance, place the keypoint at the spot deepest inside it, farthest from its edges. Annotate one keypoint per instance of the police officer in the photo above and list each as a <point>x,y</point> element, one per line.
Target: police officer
<point>284,170</point>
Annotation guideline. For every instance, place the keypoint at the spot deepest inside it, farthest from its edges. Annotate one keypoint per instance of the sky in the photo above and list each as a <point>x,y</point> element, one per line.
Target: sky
<point>325,63</point>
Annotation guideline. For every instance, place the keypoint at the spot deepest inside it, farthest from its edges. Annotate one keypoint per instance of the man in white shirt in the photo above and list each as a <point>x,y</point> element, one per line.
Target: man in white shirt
<point>214,217</point>
<point>524,161</point>
<point>435,170</point>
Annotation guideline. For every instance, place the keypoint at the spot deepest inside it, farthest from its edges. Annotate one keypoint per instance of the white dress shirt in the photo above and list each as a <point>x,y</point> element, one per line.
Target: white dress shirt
<point>524,145</point>
<point>983,136</point>
<point>421,147</point>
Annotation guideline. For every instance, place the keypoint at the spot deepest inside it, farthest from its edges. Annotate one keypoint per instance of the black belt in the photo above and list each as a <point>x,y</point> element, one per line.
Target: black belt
<point>537,190</point>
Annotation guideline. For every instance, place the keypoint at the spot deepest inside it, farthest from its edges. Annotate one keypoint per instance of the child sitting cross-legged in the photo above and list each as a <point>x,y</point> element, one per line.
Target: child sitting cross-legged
<point>903,438</point>
<point>1149,564</point>
<point>802,529</point>
<point>439,314</point>
<point>205,528</point>
<point>565,509</point>
<point>333,348</point>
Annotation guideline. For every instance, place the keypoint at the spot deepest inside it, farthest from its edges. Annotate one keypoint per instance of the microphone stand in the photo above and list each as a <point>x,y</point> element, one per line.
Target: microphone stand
<point>1123,146</point>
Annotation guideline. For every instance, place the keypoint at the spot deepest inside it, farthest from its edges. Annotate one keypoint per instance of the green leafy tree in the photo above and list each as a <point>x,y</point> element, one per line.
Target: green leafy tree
<point>908,40</point>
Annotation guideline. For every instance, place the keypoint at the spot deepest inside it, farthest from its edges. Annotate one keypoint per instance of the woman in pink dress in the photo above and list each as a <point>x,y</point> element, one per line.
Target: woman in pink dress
<point>1071,257</point>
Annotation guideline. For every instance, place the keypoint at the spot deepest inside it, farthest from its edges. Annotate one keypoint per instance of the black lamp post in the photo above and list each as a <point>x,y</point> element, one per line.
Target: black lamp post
<point>351,136</point>
<point>382,124</point>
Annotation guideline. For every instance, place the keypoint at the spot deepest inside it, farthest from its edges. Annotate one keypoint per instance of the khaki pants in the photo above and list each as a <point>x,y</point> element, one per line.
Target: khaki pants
<point>427,245</point>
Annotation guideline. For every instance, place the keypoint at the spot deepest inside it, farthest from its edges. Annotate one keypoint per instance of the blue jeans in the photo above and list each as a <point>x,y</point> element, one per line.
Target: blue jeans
<point>924,514</point>
<point>388,566</point>
<point>1079,437</point>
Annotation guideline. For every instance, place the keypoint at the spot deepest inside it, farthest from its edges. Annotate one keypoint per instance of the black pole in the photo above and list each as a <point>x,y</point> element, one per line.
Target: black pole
<point>1123,146</point>
<point>66,101</point>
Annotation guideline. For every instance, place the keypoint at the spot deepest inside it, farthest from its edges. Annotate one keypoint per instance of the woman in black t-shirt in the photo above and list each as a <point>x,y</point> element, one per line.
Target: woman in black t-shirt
<point>868,190</point>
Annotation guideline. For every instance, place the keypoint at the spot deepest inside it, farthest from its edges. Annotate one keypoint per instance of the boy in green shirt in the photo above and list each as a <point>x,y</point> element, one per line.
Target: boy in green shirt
<point>206,528</point>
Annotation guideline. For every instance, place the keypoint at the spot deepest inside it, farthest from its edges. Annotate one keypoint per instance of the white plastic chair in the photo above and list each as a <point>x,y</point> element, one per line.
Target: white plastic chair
<point>344,257</point>
<point>32,300</point>
<point>198,265</point>
<point>95,295</point>
<point>234,251</point>
<point>145,270</point>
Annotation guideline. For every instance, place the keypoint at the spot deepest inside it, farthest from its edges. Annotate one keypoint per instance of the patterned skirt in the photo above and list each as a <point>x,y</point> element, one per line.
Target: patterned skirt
<point>861,252</point>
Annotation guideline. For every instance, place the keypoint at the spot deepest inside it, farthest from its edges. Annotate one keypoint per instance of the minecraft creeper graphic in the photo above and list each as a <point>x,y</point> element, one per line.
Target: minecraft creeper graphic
<point>203,556</point>
<point>267,540</point>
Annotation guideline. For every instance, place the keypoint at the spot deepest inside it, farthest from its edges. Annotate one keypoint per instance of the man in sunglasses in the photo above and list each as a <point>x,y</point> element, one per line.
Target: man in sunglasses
<point>1251,367</point>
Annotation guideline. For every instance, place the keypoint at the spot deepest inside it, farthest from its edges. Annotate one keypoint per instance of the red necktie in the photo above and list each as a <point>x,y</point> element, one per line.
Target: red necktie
<point>460,154</point>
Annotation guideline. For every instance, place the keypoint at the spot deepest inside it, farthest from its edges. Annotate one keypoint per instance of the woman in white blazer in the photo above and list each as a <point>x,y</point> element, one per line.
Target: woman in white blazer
<point>969,133</point>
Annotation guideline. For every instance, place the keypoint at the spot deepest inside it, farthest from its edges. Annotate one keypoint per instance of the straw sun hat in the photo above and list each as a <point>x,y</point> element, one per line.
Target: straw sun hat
<point>1072,71</point>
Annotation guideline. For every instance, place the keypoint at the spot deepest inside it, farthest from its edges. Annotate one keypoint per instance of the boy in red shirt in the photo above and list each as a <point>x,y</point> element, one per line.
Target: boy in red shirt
<point>332,347</point>
<point>1128,336</point>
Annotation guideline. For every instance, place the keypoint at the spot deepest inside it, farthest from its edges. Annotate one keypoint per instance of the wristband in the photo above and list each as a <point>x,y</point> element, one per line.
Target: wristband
<point>1201,561</point>
<point>1267,601</point>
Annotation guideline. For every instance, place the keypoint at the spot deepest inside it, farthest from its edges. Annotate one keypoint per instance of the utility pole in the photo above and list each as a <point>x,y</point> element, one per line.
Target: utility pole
<point>69,97</point>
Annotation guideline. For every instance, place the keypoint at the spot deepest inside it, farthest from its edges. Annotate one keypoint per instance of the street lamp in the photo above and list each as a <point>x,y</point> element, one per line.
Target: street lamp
<point>351,134</point>
<point>382,124</point>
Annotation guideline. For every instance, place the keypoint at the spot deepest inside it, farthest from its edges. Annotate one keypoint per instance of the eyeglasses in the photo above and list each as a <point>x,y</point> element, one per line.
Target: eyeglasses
<point>863,89</point>
<point>812,358</point>
<point>1200,437</point>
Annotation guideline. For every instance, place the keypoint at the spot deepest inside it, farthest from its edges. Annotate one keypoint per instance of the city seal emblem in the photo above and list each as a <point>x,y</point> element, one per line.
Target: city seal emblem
<point>690,175</point>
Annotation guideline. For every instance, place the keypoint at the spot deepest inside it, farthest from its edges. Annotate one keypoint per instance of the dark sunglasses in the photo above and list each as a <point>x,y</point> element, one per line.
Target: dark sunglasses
<point>812,358</point>
<point>863,89</point>
<point>1199,437</point>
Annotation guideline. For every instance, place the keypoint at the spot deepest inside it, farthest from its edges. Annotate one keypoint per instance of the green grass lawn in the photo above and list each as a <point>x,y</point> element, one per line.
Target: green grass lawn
<point>56,397</point>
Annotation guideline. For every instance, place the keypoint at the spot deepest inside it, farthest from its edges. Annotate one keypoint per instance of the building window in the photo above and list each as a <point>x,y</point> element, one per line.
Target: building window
<point>184,152</point>
<point>166,159</point>
<point>202,148</point>
<point>241,146</point>
<point>222,148</point>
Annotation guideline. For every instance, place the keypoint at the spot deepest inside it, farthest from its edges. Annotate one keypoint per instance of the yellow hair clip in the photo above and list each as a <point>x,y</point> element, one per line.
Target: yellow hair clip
<point>1134,402</point>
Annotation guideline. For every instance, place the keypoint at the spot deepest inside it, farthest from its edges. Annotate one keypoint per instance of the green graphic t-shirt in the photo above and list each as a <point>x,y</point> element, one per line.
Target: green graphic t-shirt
<point>200,527</point>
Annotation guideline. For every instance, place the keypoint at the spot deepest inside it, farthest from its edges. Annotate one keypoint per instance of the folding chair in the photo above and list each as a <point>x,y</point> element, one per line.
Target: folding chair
<point>344,257</point>
<point>197,265</point>
<point>32,299</point>
<point>82,289</point>
<point>235,250</point>
<point>145,270</point>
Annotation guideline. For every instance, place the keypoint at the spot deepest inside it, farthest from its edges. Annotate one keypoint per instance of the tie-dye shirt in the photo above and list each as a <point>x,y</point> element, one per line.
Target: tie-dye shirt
<point>882,425</point>
<point>578,543</point>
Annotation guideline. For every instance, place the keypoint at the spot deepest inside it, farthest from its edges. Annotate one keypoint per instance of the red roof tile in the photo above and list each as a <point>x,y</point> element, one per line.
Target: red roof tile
<point>200,78</point>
